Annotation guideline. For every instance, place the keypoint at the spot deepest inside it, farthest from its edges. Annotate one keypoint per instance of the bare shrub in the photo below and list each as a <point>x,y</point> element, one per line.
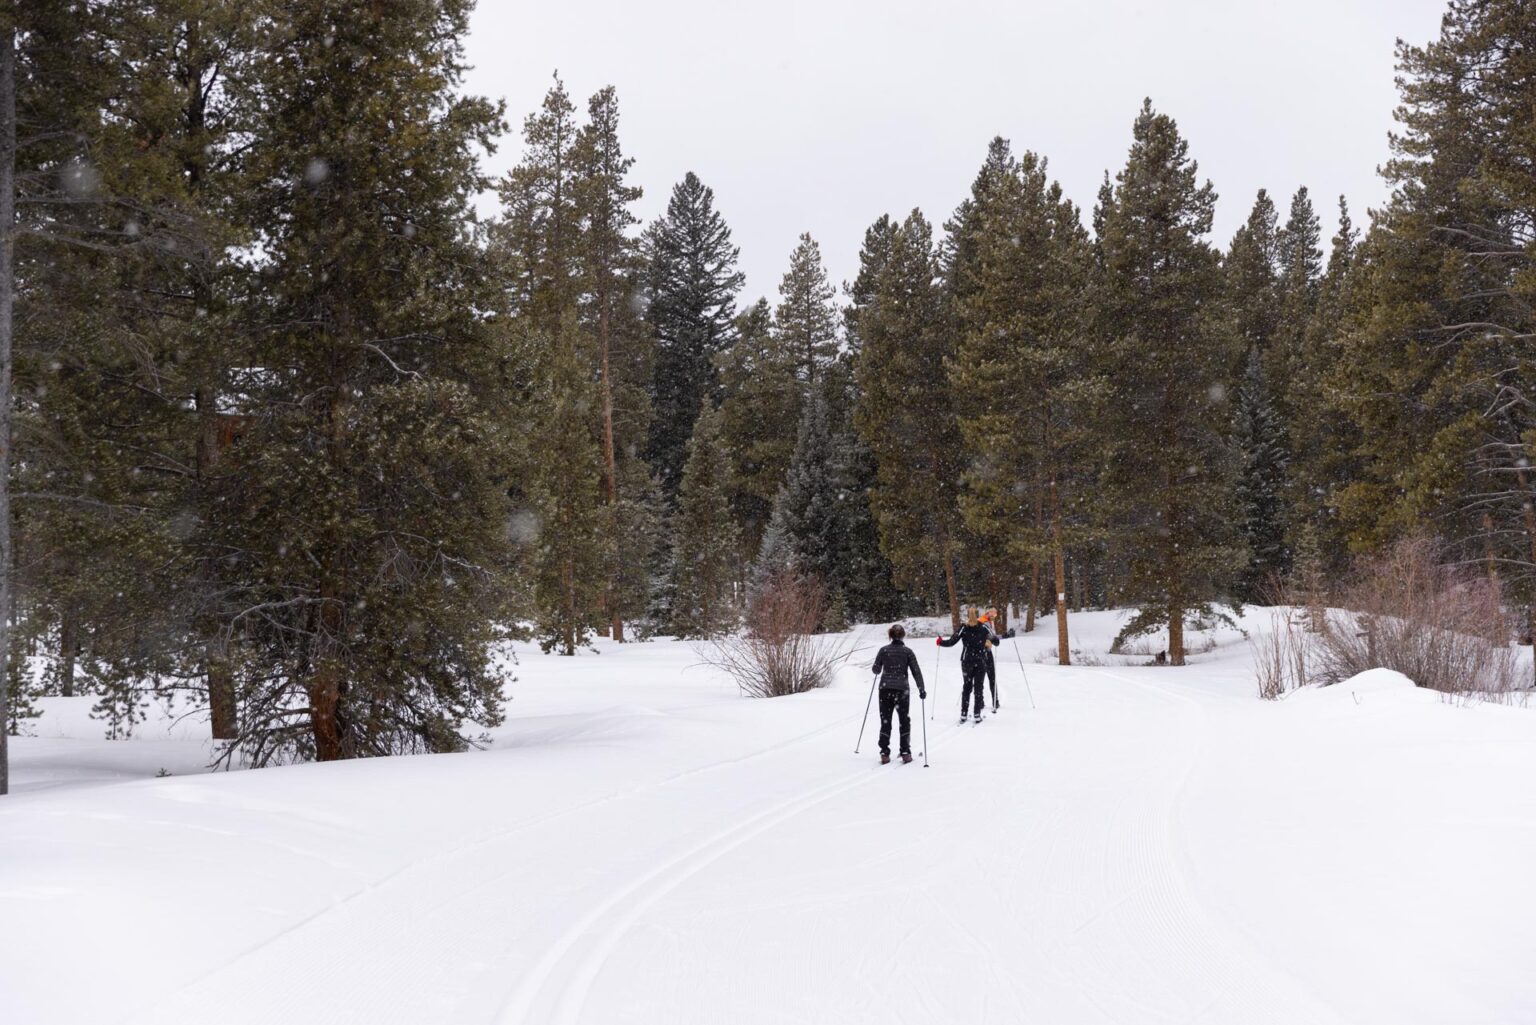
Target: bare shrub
<point>1412,610</point>
<point>1280,654</point>
<point>780,651</point>
<point>1439,624</point>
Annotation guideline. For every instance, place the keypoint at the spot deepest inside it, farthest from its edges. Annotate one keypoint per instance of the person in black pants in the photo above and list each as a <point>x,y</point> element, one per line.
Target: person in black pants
<point>974,637</point>
<point>989,618</point>
<point>893,662</point>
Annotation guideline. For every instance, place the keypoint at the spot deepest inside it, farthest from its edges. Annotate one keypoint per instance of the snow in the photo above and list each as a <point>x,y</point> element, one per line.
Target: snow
<point>641,844</point>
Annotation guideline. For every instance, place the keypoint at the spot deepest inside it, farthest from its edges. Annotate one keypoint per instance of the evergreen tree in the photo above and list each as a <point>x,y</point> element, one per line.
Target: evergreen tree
<point>906,418</point>
<point>608,266</point>
<point>539,239</point>
<point>1023,378</point>
<point>1325,447</point>
<point>365,511</point>
<point>809,504</point>
<point>574,526</point>
<point>806,317</point>
<point>1170,472</point>
<point>1255,275</point>
<point>1300,268</point>
<point>991,563</point>
<point>1435,366</point>
<point>1251,288</point>
<point>692,283</point>
<point>705,545</point>
<point>1262,485</point>
<point>872,256</point>
<point>759,415</point>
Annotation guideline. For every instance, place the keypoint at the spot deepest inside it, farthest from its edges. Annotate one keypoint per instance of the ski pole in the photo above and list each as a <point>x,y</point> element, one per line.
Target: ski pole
<point>1024,674</point>
<point>935,685</point>
<point>922,707</point>
<point>865,722</point>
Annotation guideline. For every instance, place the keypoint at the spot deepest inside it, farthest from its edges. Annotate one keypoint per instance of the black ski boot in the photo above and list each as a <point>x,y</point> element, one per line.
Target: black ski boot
<point>885,758</point>
<point>906,756</point>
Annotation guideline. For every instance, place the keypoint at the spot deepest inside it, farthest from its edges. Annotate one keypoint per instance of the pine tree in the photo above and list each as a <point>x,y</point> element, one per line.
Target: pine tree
<point>1434,359</point>
<point>809,504</point>
<point>990,564</point>
<point>366,508</point>
<point>1262,485</point>
<point>692,283</point>
<point>906,418</point>
<point>575,527</point>
<point>1254,297</point>
<point>1251,288</point>
<point>1300,268</point>
<point>1023,378</point>
<point>608,265</point>
<point>878,238</point>
<point>539,236</point>
<point>705,545</point>
<point>1170,473</point>
<point>1325,447</point>
<point>760,413</point>
<point>806,317</point>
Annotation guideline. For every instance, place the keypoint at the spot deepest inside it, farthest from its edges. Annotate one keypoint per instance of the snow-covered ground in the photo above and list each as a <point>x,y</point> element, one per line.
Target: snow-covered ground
<point>640,844</point>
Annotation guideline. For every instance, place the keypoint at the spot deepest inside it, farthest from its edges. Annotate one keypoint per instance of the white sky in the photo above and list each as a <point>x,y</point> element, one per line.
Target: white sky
<point>820,116</point>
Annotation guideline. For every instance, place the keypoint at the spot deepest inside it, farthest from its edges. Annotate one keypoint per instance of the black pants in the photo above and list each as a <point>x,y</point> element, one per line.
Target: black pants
<point>900,702</point>
<point>992,677</point>
<point>974,674</point>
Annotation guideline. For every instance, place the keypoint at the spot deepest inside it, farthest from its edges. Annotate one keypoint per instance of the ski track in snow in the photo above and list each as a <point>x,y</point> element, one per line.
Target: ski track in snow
<point>1040,871</point>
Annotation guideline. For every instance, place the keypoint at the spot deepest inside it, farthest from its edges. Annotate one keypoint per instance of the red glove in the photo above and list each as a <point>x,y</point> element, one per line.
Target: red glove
<point>939,641</point>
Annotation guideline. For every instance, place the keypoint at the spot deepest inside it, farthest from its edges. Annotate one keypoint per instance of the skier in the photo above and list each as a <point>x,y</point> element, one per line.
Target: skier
<point>893,662</point>
<point>989,617</point>
<point>975,636</point>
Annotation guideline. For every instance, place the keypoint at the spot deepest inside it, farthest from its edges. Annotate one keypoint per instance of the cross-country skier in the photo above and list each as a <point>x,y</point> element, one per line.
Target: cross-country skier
<point>893,662</point>
<point>974,637</point>
<point>989,617</point>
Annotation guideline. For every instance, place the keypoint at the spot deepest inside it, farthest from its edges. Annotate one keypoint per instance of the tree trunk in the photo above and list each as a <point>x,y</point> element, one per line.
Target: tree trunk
<point>610,462</point>
<point>69,647</point>
<point>1175,636</point>
<point>1063,651</point>
<point>218,676</point>
<point>1034,569</point>
<point>7,297</point>
<point>949,582</point>
<point>1033,600</point>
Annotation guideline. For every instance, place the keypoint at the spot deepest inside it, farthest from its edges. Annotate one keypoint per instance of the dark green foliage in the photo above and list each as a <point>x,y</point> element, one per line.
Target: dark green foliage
<point>705,546</point>
<point>1262,486</point>
<point>806,317</point>
<point>573,532</point>
<point>691,287</point>
<point>906,418</point>
<point>364,529</point>
<point>760,414</point>
<point>1170,475</point>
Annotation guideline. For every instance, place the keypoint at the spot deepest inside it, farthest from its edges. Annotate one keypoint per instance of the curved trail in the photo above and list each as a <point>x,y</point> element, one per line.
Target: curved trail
<point>1035,873</point>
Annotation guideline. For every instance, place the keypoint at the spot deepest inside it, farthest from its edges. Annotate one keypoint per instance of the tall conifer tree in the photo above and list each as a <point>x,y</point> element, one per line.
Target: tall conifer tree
<point>806,317</point>
<point>906,418</point>
<point>1170,474</point>
<point>691,286</point>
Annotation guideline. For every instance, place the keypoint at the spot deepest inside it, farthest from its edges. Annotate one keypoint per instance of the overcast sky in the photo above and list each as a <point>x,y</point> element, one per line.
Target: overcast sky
<point>820,115</point>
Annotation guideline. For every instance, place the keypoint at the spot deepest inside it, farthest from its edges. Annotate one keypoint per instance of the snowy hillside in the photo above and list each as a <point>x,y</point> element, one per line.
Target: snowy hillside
<point>640,844</point>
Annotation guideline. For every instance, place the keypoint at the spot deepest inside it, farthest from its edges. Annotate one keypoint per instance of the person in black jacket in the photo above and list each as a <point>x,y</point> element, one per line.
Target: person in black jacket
<point>893,662</point>
<point>975,637</point>
<point>989,618</point>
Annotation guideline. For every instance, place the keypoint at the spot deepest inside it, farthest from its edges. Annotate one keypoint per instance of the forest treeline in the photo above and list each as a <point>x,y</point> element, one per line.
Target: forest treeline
<point>299,436</point>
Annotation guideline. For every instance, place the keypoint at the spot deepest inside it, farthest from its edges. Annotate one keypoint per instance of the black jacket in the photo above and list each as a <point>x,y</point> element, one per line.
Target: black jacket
<point>893,662</point>
<point>974,639</point>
